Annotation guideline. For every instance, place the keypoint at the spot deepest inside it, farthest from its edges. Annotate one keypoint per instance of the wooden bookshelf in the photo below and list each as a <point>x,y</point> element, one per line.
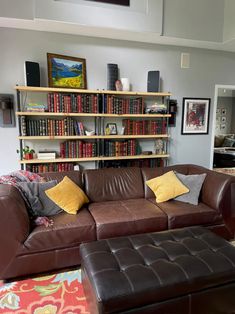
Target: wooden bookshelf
<point>99,120</point>
<point>63,160</point>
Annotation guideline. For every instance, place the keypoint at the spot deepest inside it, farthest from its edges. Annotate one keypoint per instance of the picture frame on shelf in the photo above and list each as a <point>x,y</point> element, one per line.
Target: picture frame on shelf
<point>195,116</point>
<point>112,127</point>
<point>66,72</point>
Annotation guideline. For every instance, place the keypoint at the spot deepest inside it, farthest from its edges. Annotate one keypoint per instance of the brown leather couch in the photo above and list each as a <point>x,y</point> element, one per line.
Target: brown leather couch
<point>120,204</point>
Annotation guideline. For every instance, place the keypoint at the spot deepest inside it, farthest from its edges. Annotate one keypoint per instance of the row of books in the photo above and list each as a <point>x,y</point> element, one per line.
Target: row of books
<point>118,105</point>
<point>51,127</point>
<point>140,163</point>
<point>59,167</point>
<point>121,148</point>
<point>50,167</point>
<point>144,127</point>
<point>84,103</point>
<point>78,149</point>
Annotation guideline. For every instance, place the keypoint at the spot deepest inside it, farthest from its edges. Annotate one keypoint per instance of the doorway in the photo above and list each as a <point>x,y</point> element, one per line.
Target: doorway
<point>223,128</point>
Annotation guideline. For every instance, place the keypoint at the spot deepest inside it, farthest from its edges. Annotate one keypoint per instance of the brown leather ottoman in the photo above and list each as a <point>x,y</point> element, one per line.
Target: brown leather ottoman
<point>189,270</point>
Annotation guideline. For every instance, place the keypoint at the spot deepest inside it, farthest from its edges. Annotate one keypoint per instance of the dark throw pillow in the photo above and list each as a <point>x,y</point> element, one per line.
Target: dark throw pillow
<point>41,205</point>
<point>194,184</point>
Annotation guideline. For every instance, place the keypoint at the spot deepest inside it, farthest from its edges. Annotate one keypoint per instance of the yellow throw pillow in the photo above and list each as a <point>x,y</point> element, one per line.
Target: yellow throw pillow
<point>67,195</point>
<point>166,187</point>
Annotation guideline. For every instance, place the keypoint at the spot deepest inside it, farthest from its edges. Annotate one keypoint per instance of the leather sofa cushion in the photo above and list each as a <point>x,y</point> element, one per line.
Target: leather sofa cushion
<point>76,176</point>
<point>67,231</point>
<point>119,218</point>
<point>149,268</point>
<point>110,184</point>
<point>182,214</point>
<point>150,173</point>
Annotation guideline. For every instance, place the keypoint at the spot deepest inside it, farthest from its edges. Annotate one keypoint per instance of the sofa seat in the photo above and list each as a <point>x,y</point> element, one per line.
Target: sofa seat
<point>119,218</point>
<point>183,214</point>
<point>67,231</point>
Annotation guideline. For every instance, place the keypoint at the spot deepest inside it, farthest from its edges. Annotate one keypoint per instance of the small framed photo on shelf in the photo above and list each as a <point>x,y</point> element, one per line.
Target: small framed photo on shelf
<point>111,129</point>
<point>66,72</point>
<point>223,111</point>
<point>195,117</point>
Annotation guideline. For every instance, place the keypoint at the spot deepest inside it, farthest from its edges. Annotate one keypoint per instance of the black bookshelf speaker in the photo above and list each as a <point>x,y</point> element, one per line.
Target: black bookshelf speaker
<point>32,73</point>
<point>153,83</point>
<point>112,76</point>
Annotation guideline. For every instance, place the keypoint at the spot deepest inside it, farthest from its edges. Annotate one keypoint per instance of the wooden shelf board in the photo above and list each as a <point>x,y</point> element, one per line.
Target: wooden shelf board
<point>64,114</point>
<point>85,137</point>
<point>69,137</point>
<point>87,91</point>
<point>144,115</point>
<point>57,160</point>
<point>55,114</point>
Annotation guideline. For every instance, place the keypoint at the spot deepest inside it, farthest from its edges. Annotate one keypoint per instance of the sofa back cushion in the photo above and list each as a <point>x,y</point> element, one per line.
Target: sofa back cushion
<point>150,173</point>
<point>113,184</point>
<point>75,176</point>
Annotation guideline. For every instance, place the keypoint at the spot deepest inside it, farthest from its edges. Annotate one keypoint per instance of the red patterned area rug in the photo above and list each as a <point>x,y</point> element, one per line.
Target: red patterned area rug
<point>54,294</point>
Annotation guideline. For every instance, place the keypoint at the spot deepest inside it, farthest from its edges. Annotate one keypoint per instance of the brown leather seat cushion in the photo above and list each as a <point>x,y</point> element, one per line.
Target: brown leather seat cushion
<point>182,214</point>
<point>118,218</point>
<point>67,231</point>
<point>133,272</point>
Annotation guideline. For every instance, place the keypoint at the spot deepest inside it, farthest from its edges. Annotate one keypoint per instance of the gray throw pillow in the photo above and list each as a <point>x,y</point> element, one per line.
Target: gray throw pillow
<point>41,205</point>
<point>194,184</point>
<point>228,142</point>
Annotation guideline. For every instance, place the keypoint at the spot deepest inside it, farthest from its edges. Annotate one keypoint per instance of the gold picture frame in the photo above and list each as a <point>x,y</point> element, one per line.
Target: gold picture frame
<point>66,71</point>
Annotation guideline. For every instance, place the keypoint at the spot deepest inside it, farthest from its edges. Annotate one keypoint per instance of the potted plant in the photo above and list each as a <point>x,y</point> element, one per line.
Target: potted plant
<point>27,153</point>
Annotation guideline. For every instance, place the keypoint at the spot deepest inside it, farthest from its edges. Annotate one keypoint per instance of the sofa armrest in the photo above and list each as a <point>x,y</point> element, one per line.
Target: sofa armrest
<point>14,224</point>
<point>217,191</point>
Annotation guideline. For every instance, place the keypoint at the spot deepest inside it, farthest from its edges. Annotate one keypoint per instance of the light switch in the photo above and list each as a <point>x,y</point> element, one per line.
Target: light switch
<point>185,60</point>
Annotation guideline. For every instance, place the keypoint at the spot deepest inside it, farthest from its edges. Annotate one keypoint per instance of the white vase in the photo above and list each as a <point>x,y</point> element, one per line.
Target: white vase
<point>125,84</point>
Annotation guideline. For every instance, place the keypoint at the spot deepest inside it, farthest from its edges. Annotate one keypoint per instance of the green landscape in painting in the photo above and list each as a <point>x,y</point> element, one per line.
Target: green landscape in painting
<point>67,73</point>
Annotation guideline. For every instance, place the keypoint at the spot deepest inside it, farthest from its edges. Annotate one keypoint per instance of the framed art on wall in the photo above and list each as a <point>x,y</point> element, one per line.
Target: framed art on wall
<point>119,2</point>
<point>65,71</point>
<point>195,116</point>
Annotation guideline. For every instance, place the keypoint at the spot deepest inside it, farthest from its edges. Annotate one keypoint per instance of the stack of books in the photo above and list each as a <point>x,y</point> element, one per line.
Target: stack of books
<point>46,155</point>
<point>33,107</point>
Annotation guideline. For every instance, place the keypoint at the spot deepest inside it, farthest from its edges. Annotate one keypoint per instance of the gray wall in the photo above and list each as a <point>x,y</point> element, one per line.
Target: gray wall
<point>226,103</point>
<point>134,59</point>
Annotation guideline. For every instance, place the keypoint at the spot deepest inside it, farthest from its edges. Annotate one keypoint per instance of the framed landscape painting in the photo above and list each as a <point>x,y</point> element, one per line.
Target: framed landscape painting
<point>195,116</point>
<point>67,72</point>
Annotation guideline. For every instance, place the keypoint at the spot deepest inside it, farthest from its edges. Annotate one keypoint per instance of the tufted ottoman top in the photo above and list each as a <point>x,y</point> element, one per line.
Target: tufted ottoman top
<point>133,271</point>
